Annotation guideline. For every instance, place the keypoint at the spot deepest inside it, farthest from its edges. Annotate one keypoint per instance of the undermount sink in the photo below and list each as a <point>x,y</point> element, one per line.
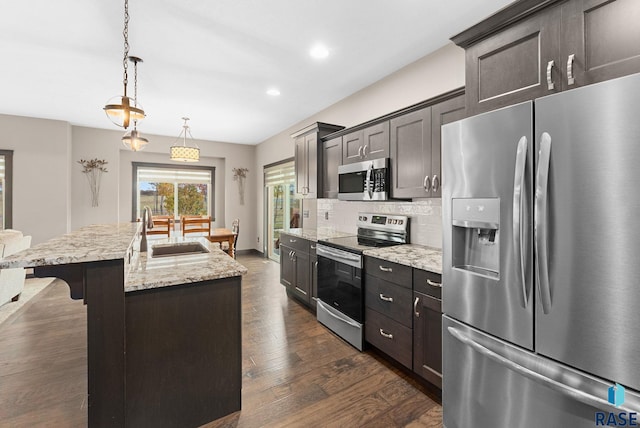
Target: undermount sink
<point>179,249</point>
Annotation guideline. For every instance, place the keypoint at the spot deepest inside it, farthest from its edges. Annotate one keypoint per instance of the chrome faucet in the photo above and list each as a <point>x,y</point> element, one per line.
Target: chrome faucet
<point>147,223</point>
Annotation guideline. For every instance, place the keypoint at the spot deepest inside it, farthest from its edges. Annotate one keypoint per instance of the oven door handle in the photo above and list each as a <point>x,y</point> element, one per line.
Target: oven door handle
<point>345,257</point>
<point>329,310</point>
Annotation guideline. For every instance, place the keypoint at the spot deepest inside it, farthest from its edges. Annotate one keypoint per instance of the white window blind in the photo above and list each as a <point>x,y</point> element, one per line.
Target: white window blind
<point>1,167</point>
<point>279,174</point>
<point>167,175</point>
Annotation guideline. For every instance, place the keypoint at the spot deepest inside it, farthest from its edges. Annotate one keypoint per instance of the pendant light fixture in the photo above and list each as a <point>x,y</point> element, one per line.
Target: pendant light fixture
<point>119,109</point>
<point>132,139</point>
<point>185,153</point>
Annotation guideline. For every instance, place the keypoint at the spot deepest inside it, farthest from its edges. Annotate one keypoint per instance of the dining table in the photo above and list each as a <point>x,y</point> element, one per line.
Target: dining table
<point>221,235</point>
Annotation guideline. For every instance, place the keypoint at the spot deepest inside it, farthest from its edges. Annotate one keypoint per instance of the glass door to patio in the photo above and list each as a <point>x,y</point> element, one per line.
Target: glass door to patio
<point>282,208</point>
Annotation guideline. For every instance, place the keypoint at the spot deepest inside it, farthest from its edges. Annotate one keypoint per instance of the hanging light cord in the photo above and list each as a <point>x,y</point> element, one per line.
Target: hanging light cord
<point>125,33</point>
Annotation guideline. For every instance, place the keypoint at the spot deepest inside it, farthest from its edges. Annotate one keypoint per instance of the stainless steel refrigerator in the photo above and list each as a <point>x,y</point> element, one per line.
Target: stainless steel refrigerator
<point>541,261</point>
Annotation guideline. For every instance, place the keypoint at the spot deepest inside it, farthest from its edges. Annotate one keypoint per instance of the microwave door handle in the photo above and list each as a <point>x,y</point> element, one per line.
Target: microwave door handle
<point>518,212</point>
<point>540,224</point>
<point>368,185</point>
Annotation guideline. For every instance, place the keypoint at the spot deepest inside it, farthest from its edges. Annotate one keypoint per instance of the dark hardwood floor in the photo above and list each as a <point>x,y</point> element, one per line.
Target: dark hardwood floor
<point>295,372</point>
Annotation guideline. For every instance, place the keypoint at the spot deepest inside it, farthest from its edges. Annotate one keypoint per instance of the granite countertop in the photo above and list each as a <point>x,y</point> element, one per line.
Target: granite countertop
<point>87,244</point>
<point>147,272</point>
<point>417,256</point>
<point>114,241</point>
<point>316,235</point>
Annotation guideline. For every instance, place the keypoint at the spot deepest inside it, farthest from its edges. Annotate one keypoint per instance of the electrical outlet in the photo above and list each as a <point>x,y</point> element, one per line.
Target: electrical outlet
<point>258,239</point>
<point>326,215</point>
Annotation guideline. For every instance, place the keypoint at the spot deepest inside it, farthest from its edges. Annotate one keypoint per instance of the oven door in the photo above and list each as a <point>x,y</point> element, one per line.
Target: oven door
<point>340,297</point>
<point>340,281</point>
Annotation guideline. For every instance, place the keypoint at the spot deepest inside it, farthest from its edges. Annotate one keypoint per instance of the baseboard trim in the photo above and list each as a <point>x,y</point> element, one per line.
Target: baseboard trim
<point>250,251</point>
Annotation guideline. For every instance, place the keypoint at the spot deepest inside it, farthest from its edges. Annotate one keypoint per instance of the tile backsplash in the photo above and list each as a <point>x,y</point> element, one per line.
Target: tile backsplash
<point>425,215</point>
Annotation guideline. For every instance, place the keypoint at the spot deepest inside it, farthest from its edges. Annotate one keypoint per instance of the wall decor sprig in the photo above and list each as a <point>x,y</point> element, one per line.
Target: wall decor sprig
<point>93,169</point>
<point>239,175</point>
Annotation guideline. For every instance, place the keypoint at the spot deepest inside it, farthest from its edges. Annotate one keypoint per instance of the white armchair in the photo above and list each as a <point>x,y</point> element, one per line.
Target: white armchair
<point>12,280</point>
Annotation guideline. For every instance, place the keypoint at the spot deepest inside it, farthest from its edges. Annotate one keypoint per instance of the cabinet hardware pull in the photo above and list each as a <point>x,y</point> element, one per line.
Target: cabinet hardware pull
<point>300,290</point>
<point>360,152</point>
<point>364,151</point>
<point>434,284</point>
<point>315,265</point>
<point>386,298</point>
<point>386,269</point>
<point>550,84</point>
<point>385,334</point>
<point>570,77</point>
<point>415,307</point>
<point>426,184</point>
<point>435,183</point>
<point>292,240</point>
<point>313,247</point>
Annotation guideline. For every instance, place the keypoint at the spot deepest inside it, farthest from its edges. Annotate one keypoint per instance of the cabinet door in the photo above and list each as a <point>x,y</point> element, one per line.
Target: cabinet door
<point>411,154</point>
<point>301,165</point>
<point>427,338</point>
<point>511,66</point>
<point>604,38</point>
<point>352,147</point>
<point>441,114</point>
<point>375,141</point>
<point>311,148</point>
<point>287,271</point>
<point>302,284</point>
<point>332,158</point>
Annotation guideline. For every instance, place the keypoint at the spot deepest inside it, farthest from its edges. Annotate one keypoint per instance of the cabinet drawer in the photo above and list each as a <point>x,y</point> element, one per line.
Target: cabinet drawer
<point>294,242</point>
<point>389,271</point>
<point>388,299</point>
<point>389,336</point>
<point>428,283</point>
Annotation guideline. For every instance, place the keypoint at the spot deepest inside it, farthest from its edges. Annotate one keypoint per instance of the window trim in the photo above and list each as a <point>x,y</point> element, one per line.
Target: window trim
<point>134,182</point>
<point>8,190</point>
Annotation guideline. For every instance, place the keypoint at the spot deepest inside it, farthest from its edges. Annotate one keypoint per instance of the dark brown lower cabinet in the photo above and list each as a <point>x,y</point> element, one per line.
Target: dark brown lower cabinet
<point>427,338</point>
<point>298,268</point>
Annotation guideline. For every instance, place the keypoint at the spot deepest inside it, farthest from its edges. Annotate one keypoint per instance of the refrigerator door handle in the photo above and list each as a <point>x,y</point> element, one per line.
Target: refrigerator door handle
<point>518,211</point>
<point>539,378</point>
<point>540,224</point>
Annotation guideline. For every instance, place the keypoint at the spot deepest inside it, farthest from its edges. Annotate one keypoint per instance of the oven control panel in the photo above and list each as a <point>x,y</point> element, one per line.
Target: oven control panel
<point>388,222</point>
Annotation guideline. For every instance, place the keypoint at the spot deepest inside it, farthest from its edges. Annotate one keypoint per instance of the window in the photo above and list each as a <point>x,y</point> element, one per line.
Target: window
<point>6,188</point>
<point>173,191</point>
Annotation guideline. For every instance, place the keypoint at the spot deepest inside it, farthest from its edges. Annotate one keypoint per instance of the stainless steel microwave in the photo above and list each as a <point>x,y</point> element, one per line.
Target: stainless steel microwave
<point>364,181</point>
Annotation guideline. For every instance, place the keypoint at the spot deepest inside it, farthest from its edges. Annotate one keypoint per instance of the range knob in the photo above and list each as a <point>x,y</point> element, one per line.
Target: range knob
<point>400,221</point>
<point>364,218</point>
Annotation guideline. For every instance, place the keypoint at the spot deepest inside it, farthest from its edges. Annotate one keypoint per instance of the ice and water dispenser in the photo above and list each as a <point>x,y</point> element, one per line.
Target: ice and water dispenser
<point>476,236</point>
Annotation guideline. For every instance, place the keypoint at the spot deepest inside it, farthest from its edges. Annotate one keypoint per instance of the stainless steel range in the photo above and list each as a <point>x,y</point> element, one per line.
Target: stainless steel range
<point>340,272</point>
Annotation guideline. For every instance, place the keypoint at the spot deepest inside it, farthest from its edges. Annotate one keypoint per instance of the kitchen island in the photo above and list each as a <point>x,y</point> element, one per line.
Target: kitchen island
<point>163,333</point>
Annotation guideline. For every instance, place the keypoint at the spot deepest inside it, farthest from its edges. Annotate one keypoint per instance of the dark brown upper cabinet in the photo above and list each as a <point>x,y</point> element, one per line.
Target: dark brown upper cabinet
<point>365,144</point>
<point>309,158</point>
<point>411,155</point>
<point>441,114</point>
<point>332,158</point>
<point>534,48</point>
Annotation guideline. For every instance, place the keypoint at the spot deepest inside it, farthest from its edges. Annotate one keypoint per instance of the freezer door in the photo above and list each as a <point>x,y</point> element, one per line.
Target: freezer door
<point>487,228</point>
<point>588,228</point>
<point>489,383</point>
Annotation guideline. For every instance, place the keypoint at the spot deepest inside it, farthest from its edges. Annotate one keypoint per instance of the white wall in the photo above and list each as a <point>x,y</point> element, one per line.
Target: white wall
<point>115,198</point>
<point>41,174</point>
<point>434,74</point>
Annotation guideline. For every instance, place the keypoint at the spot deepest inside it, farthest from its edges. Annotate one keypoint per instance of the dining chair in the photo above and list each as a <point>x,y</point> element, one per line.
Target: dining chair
<point>195,224</point>
<point>162,225</point>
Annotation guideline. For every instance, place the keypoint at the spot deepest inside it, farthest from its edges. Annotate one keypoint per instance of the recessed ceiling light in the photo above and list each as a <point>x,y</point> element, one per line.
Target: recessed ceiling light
<point>273,92</point>
<point>319,51</point>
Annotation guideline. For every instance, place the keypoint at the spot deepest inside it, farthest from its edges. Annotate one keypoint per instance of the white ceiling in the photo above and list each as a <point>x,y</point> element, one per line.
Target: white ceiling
<point>213,60</point>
